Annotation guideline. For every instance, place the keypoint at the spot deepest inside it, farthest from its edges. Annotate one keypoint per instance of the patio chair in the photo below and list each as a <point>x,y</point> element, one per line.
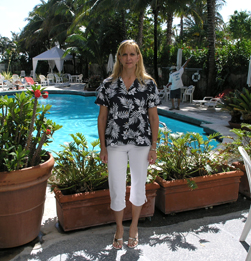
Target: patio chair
<point>79,78</point>
<point>188,93</point>
<point>247,226</point>
<point>43,80</point>
<point>50,78</point>
<point>10,85</point>
<point>58,78</point>
<point>165,93</point>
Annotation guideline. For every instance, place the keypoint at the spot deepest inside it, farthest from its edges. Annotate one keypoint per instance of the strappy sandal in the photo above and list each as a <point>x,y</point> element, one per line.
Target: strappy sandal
<point>133,242</point>
<point>116,243</point>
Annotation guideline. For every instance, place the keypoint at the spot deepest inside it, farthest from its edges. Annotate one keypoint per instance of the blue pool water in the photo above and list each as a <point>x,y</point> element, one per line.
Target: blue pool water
<point>79,114</point>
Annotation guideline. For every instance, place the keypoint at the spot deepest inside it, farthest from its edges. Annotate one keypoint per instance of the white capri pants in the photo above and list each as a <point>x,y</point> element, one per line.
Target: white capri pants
<point>117,168</point>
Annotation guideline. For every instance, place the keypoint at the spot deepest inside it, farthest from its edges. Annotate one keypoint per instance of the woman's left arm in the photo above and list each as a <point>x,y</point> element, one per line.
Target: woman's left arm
<point>154,123</point>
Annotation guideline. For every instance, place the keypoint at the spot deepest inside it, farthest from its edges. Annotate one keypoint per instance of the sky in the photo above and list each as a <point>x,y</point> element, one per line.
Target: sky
<point>14,12</point>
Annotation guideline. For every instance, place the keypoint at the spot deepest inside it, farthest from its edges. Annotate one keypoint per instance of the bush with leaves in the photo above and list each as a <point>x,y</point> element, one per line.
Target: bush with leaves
<point>24,130</point>
<point>242,138</point>
<point>78,169</point>
<point>186,155</point>
<point>243,104</point>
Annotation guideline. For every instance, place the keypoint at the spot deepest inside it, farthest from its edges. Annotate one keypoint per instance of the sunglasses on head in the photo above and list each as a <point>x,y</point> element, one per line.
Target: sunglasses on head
<point>129,40</point>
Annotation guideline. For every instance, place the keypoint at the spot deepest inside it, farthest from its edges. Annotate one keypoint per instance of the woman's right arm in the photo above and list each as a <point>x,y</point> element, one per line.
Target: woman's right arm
<point>102,121</point>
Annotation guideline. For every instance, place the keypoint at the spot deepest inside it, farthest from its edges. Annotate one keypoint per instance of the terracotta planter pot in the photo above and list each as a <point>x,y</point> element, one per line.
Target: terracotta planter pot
<point>22,196</point>
<point>234,125</point>
<point>176,196</point>
<point>84,210</point>
<point>244,188</point>
<point>237,126</point>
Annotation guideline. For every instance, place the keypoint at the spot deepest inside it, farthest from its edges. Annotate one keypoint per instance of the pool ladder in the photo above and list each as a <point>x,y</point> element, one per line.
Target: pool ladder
<point>163,124</point>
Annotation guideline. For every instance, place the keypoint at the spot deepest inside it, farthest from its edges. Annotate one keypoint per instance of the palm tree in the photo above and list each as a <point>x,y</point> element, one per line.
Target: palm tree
<point>211,45</point>
<point>172,8</point>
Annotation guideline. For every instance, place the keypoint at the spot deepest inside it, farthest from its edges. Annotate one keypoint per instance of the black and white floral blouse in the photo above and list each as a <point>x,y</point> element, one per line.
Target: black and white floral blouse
<point>128,121</point>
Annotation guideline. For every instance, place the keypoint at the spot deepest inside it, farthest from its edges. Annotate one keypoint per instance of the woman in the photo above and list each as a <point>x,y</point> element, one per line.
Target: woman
<point>128,125</point>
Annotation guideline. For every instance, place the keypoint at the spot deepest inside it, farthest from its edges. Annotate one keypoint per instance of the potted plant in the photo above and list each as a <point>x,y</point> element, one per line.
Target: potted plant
<point>229,103</point>
<point>190,175</point>
<point>80,184</point>
<point>230,150</point>
<point>244,105</point>
<point>24,165</point>
<point>238,104</point>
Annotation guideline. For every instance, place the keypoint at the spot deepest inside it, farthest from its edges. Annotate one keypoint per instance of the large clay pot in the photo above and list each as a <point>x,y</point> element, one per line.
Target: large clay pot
<point>89,209</point>
<point>237,126</point>
<point>234,125</point>
<point>244,188</point>
<point>175,196</point>
<point>22,196</point>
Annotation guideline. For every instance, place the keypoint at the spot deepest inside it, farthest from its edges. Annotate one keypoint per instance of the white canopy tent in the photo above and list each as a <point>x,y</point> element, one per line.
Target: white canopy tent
<point>53,56</point>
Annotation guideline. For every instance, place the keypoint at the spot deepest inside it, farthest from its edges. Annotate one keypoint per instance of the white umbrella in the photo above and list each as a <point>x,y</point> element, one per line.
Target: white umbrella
<point>249,74</point>
<point>110,64</point>
<point>179,58</point>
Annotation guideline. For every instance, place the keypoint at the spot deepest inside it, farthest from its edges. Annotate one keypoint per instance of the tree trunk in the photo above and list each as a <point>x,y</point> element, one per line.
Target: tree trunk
<point>211,46</point>
<point>169,28</point>
<point>140,28</point>
<point>155,57</point>
<point>181,27</point>
<point>123,24</point>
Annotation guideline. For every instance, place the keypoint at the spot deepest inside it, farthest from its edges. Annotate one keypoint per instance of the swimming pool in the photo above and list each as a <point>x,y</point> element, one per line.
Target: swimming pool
<point>79,114</point>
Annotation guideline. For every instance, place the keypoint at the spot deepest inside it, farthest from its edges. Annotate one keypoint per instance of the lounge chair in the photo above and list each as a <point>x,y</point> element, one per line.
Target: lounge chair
<point>29,81</point>
<point>2,85</point>
<point>10,85</point>
<point>213,102</point>
<point>19,84</point>
<point>202,102</point>
<point>15,78</point>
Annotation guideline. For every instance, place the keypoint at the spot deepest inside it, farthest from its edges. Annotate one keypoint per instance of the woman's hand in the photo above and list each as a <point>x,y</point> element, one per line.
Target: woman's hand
<point>152,156</point>
<point>104,155</point>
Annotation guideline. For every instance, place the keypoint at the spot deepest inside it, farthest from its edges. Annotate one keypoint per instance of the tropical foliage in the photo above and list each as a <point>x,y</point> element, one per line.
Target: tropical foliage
<point>78,168</point>
<point>90,30</point>
<point>238,104</point>
<point>186,155</point>
<point>242,138</point>
<point>24,129</point>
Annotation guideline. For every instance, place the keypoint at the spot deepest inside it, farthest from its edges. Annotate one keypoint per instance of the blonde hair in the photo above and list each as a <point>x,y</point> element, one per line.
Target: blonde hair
<point>140,71</point>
